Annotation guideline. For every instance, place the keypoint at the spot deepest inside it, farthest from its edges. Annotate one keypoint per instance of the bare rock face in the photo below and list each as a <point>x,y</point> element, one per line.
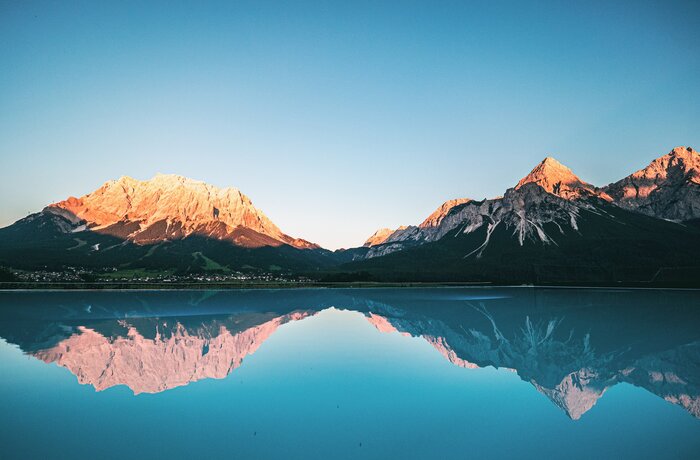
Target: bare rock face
<point>171,207</point>
<point>387,235</point>
<point>552,196</point>
<point>385,241</point>
<point>436,218</point>
<point>524,212</point>
<point>669,188</point>
<point>380,236</point>
<point>558,180</point>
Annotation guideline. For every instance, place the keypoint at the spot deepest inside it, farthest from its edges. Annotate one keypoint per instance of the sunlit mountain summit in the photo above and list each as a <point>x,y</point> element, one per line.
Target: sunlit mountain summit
<point>551,227</point>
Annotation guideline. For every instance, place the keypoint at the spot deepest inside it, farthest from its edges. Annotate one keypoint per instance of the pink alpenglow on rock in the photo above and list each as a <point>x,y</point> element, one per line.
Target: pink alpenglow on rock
<point>148,365</point>
<point>378,237</point>
<point>171,207</point>
<point>668,188</point>
<point>559,180</point>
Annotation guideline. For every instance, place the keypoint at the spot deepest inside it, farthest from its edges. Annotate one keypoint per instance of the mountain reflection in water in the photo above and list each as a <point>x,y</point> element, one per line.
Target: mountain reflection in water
<point>571,345</point>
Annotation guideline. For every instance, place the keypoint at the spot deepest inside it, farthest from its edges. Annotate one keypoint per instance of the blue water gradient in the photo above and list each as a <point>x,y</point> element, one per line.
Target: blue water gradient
<point>336,384</point>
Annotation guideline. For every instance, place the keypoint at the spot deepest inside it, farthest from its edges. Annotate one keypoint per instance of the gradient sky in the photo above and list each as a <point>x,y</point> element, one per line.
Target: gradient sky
<point>339,118</point>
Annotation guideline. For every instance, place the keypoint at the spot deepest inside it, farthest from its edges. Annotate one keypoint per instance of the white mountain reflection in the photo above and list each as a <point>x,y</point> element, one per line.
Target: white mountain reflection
<point>570,347</point>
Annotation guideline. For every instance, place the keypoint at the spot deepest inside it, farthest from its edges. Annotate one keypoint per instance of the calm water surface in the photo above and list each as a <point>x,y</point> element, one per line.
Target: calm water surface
<point>356,373</point>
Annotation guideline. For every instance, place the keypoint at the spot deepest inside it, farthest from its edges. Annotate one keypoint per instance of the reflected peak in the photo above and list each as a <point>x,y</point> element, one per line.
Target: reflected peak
<point>169,360</point>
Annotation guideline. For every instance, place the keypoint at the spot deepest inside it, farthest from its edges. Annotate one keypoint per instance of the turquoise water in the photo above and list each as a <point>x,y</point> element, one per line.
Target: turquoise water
<point>351,373</point>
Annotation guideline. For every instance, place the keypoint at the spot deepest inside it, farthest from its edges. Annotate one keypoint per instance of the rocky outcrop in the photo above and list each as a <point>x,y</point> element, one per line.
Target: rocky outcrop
<point>558,180</point>
<point>380,236</point>
<point>547,204</point>
<point>525,213</point>
<point>576,394</point>
<point>404,233</point>
<point>669,188</point>
<point>171,207</point>
<point>435,219</point>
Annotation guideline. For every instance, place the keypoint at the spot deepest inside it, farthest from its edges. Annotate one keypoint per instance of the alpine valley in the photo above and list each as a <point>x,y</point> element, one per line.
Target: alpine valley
<point>552,227</point>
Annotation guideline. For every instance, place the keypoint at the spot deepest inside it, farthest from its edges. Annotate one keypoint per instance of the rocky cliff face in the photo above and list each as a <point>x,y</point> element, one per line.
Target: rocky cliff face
<point>403,233</point>
<point>557,179</point>
<point>170,207</point>
<point>547,204</point>
<point>525,213</point>
<point>386,241</point>
<point>380,236</point>
<point>669,188</point>
<point>435,219</point>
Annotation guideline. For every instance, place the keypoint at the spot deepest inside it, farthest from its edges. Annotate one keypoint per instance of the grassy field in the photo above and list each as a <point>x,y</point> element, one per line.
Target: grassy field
<point>209,264</point>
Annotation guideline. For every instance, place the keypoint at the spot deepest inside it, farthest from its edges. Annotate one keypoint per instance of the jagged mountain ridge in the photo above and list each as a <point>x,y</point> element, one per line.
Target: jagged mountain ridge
<point>669,188</point>
<point>169,207</point>
<point>553,177</point>
<point>410,233</point>
<point>168,224</point>
<point>387,235</point>
<point>380,236</point>
<point>672,181</point>
<point>545,209</point>
<point>550,217</point>
<point>515,212</point>
<point>558,180</point>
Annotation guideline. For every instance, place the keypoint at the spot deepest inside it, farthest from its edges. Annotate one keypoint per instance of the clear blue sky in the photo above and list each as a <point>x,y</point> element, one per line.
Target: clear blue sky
<point>338,118</point>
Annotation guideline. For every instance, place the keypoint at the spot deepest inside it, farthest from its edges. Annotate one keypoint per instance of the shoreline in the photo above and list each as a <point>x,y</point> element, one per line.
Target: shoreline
<point>109,286</point>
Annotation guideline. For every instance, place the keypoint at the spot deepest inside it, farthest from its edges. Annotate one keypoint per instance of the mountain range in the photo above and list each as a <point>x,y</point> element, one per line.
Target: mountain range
<point>554,227</point>
<point>551,227</point>
<point>167,223</point>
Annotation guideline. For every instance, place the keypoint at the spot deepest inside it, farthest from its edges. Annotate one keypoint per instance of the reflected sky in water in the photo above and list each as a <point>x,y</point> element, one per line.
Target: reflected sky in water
<point>350,373</point>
